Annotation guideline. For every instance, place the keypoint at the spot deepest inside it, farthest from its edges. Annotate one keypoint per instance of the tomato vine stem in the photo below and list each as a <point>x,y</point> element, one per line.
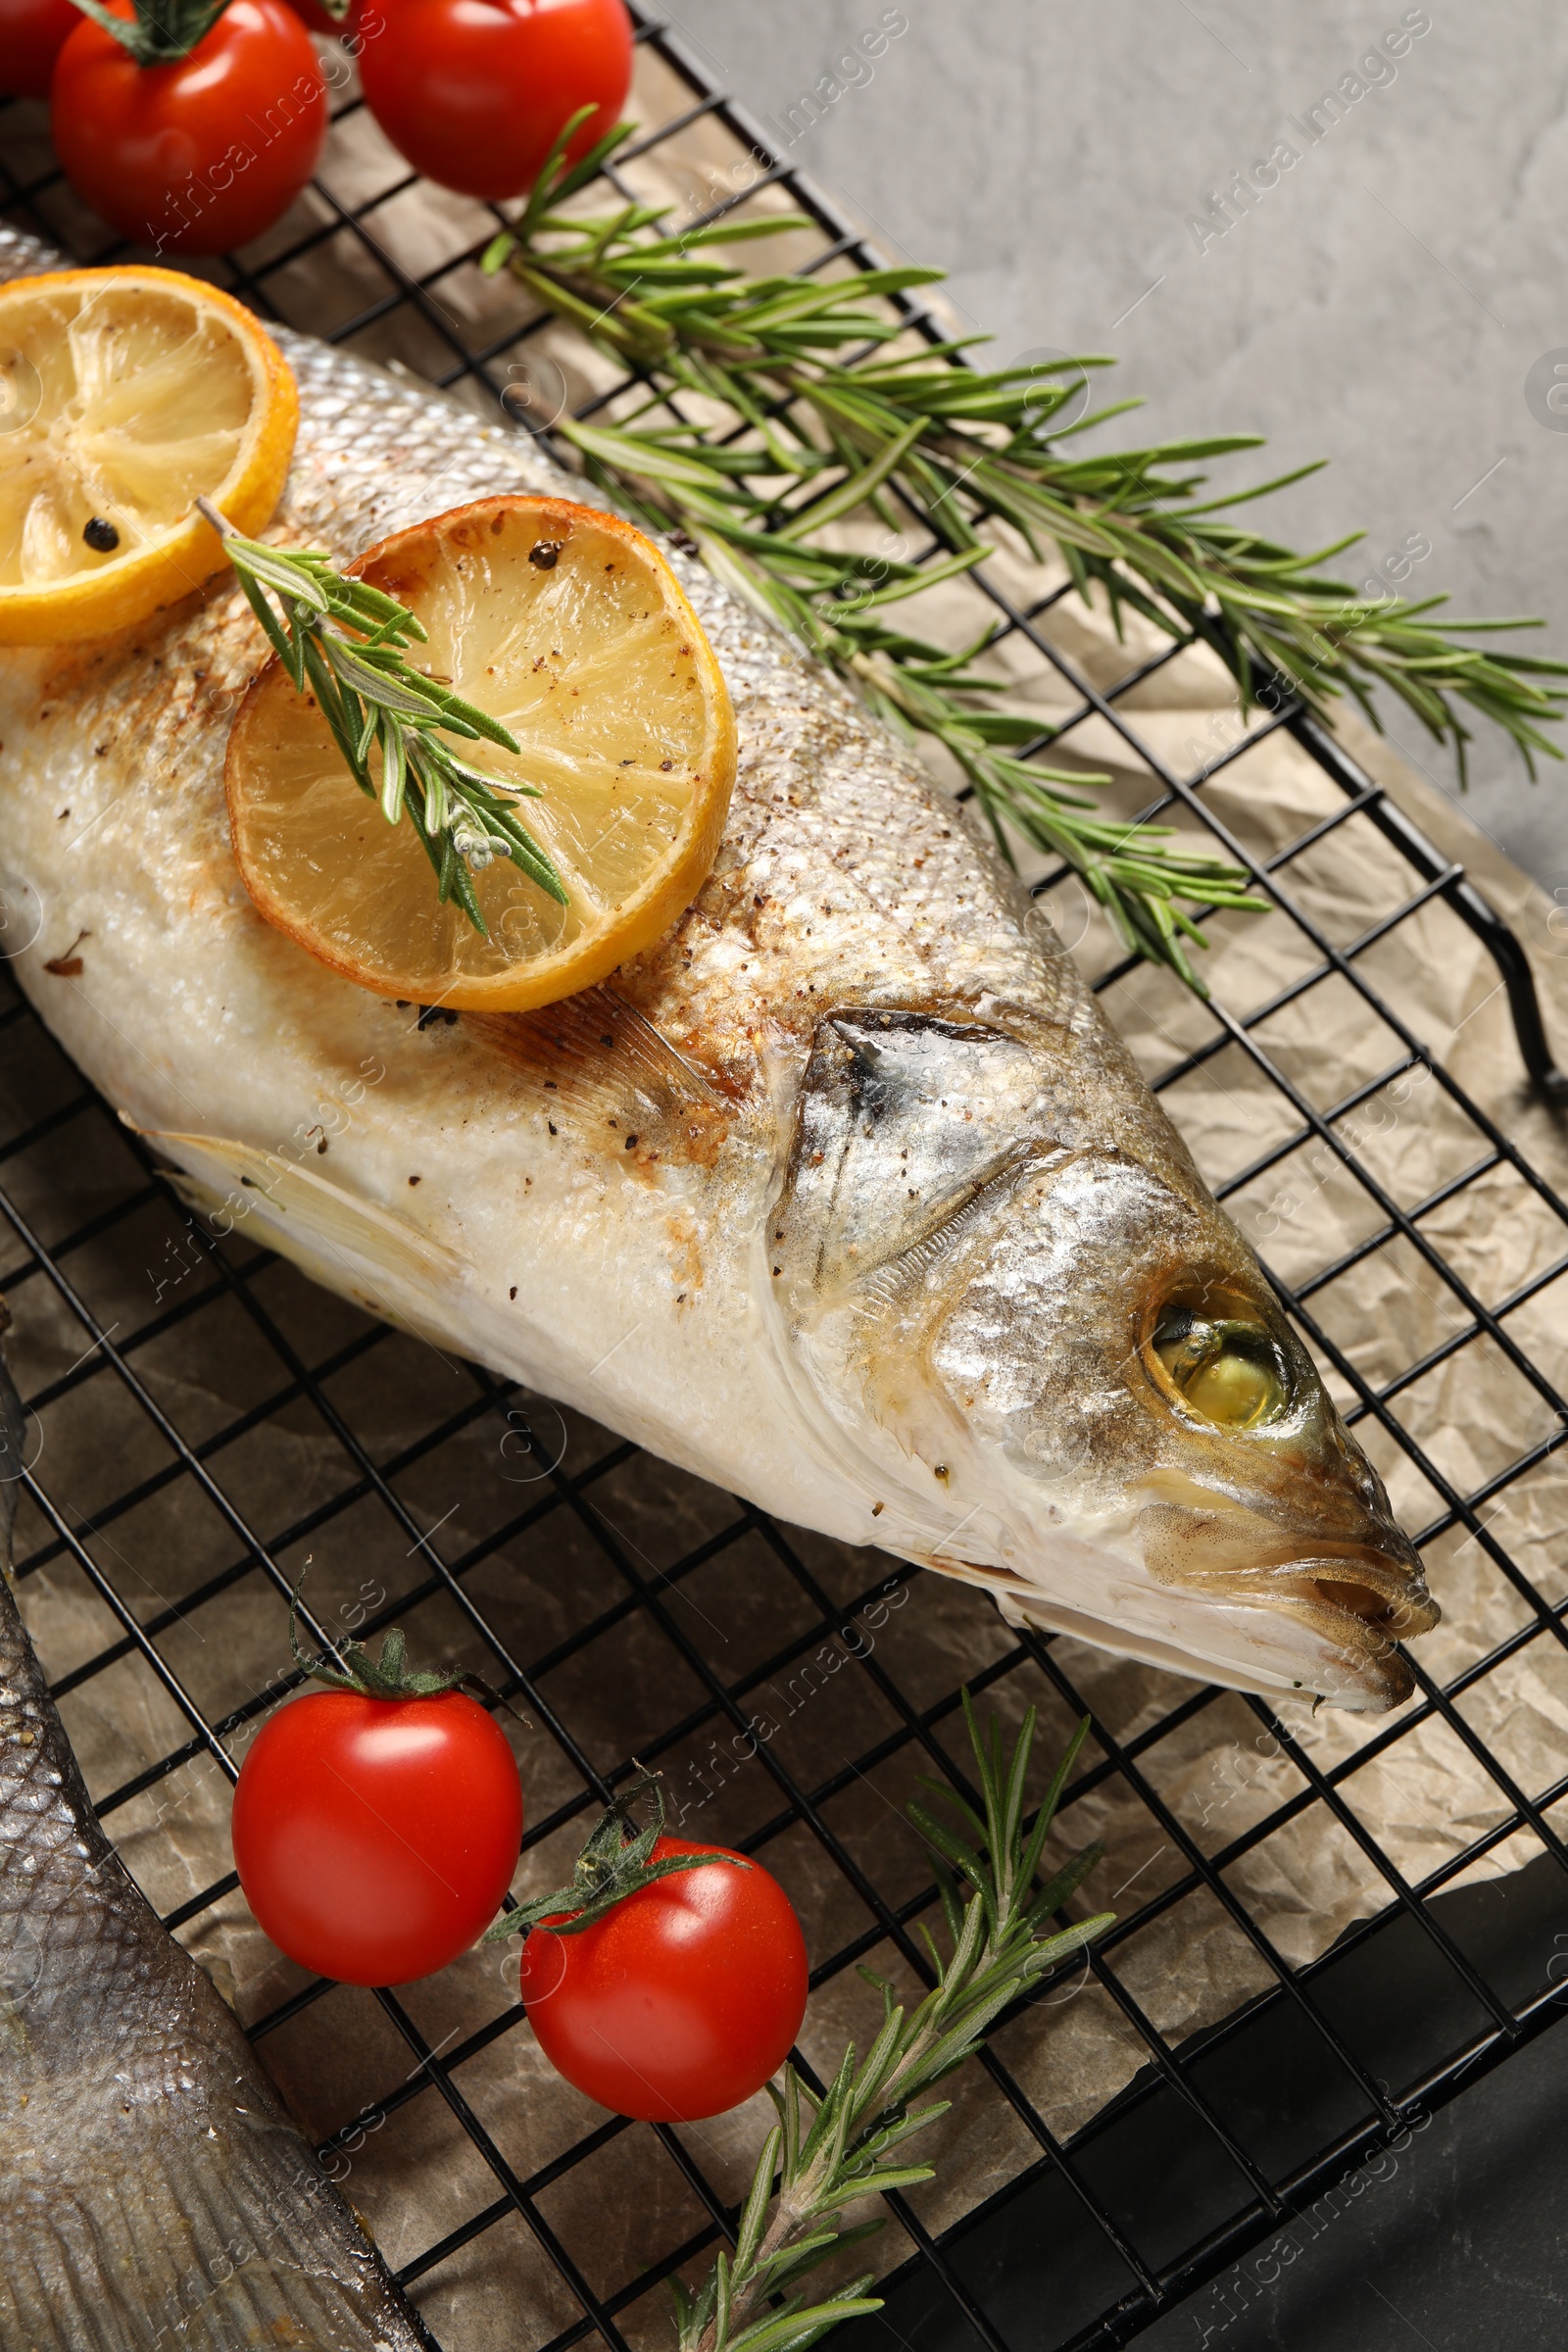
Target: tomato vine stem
<point>618,1860</point>
<point>160,30</point>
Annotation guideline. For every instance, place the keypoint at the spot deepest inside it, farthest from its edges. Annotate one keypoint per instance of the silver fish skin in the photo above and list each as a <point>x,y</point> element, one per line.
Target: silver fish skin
<point>845,1197</point>
<point>153,2190</point>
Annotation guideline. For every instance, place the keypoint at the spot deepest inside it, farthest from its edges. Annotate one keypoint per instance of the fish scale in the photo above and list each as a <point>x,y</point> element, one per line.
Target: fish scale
<point>153,2189</point>
<point>983,1309</point>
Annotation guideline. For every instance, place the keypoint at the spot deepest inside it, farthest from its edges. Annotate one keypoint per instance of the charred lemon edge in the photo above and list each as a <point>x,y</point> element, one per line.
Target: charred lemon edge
<point>639,920</point>
<point>118,594</point>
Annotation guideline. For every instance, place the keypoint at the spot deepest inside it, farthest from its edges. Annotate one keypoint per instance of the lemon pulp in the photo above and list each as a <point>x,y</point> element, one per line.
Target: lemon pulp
<point>125,393</point>
<point>569,628</point>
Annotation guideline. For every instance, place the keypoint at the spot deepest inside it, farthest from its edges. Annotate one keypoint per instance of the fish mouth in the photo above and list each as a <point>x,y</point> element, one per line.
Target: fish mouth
<point>1355,1599</point>
<point>1380,1600</point>
<point>1327,1619</point>
<point>1382,1594</point>
<point>1359,1608</point>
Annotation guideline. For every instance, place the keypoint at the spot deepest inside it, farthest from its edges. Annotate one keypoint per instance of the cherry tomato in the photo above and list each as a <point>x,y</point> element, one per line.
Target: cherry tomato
<point>204,153</point>
<point>475,92</point>
<point>32,34</point>
<point>374,1837</point>
<point>320,19</point>
<point>682,2001</point>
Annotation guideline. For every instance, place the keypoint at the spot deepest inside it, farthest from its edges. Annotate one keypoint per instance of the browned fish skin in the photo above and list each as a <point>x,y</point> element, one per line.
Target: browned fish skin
<point>842,1196</point>
<point>153,2192</point>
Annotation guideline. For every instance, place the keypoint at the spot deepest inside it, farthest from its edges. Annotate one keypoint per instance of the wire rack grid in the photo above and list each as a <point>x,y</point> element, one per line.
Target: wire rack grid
<point>92,1224</point>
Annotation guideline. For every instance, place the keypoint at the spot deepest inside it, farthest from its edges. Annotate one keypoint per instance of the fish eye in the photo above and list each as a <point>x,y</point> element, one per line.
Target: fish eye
<point>1227,1371</point>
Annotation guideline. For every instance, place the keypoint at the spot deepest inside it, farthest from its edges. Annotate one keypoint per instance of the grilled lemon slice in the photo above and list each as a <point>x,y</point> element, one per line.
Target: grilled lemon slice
<point>571,628</point>
<point>123,393</point>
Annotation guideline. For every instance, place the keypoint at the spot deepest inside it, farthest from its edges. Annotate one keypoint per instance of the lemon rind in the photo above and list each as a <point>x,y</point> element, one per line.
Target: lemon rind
<point>638,921</point>
<point>131,589</point>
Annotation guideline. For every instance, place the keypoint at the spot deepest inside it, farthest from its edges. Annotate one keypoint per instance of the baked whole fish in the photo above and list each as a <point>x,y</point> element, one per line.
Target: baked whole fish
<point>844,1196</point>
<point>153,2192</point>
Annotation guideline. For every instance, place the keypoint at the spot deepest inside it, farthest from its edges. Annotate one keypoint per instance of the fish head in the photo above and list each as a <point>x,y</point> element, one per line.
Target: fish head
<point>1068,1376</point>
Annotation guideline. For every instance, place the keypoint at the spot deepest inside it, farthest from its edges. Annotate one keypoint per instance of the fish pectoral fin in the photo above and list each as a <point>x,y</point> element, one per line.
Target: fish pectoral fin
<point>949,1219</point>
<point>595,1058</point>
<point>332,1233</point>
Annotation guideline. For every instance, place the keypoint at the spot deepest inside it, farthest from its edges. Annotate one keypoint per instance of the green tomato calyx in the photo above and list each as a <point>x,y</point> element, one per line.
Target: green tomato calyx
<point>616,1861</point>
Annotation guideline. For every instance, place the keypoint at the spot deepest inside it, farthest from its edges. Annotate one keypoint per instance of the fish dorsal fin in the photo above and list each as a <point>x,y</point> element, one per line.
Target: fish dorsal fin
<point>601,1062</point>
<point>350,1244</point>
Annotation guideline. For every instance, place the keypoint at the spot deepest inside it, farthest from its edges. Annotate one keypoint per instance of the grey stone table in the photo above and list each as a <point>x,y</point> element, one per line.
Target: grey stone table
<point>1380,301</point>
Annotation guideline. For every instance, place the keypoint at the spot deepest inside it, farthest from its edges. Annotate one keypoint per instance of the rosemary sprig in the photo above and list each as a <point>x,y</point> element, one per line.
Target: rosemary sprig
<point>827,415</point>
<point>370,694</point>
<point>828,2151</point>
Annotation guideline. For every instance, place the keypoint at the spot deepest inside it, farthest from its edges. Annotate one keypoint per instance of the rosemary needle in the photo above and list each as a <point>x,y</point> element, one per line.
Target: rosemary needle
<point>829,2149</point>
<point>370,694</point>
<point>827,414</point>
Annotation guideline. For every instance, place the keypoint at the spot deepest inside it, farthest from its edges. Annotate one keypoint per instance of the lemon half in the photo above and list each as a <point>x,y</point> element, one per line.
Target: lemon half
<point>125,393</point>
<point>571,628</point>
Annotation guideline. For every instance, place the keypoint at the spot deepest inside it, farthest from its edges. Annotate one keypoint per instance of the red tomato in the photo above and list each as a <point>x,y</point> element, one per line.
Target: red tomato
<point>475,92</point>
<point>374,1837</point>
<point>201,154</point>
<point>680,2002</point>
<point>31,32</point>
<point>312,14</point>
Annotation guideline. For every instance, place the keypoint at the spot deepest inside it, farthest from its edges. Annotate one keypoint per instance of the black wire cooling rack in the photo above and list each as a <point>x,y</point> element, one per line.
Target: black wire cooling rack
<point>1191,2165</point>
